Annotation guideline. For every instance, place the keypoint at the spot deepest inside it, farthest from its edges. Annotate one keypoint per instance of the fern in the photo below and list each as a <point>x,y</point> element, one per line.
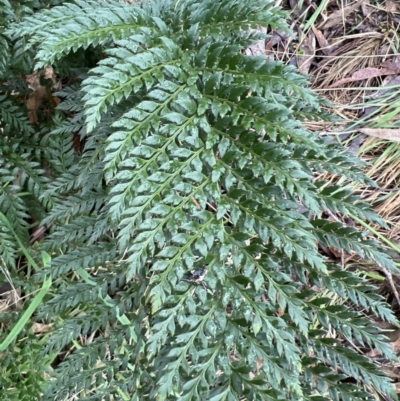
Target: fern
<point>195,158</point>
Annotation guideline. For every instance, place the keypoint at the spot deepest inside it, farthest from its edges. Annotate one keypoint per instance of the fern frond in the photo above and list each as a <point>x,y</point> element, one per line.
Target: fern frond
<point>340,237</point>
<point>13,121</point>
<point>195,159</point>
<point>71,26</point>
<point>339,200</point>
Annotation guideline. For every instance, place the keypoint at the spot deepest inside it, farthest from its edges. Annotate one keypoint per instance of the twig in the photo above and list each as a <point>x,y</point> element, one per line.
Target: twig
<point>389,277</point>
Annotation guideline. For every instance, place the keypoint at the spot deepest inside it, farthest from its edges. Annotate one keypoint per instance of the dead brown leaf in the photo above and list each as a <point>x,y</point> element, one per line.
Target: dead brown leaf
<point>325,47</point>
<point>40,93</point>
<point>308,49</point>
<point>383,133</point>
<point>391,65</point>
<point>277,37</point>
<point>367,10</point>
<point>337,17</point>
<point>41,328</point>
<point>366,73</point>
<point>390,6</point>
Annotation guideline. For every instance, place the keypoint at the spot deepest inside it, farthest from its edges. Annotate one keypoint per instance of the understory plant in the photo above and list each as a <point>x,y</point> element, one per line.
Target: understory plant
<point>174,184</point>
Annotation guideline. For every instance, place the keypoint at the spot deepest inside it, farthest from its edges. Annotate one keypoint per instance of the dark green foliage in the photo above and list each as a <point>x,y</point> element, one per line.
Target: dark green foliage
<point>194,155</point>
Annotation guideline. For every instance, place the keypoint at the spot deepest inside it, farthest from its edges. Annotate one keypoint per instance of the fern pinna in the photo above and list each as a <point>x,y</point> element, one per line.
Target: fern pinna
<point>180,244</point>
